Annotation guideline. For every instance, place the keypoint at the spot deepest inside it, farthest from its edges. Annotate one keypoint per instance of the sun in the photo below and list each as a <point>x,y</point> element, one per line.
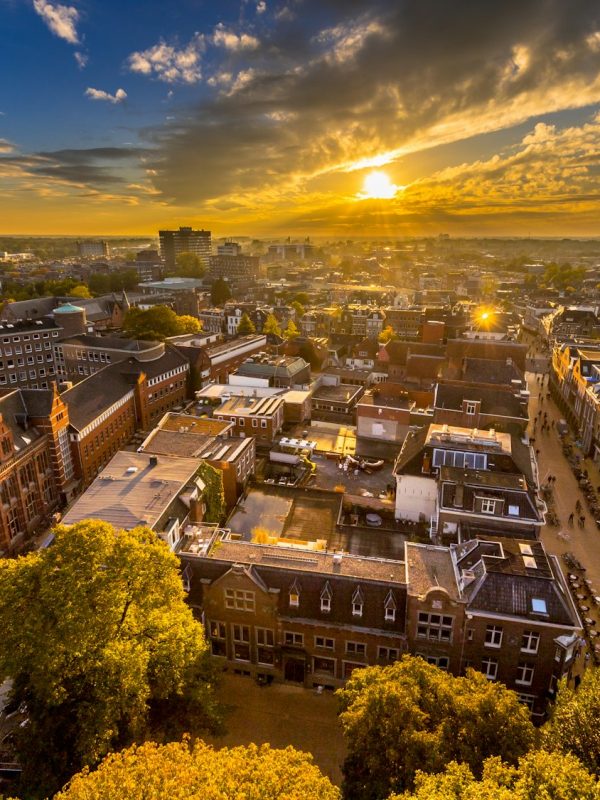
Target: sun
<point>377,185</point>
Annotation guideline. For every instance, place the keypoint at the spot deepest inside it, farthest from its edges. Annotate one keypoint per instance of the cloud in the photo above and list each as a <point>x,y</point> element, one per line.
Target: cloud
<point>232,41</point>
<point>5,146</point>
<point>81,59</point>
<point>60,19</point>
<point>380,81</point>
<point>169,64</point>
<point>99,94</point>
<point>261,7</point>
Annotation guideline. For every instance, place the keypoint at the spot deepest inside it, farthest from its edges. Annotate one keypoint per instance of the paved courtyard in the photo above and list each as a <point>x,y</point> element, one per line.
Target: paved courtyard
<point>283,715</point>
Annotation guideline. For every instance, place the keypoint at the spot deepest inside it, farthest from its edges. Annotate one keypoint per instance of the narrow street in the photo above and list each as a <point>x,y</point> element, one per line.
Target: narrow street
<point>584,542</point>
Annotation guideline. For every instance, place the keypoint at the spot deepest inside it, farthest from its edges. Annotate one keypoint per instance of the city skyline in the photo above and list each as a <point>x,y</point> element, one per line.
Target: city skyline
<point>268,118</point>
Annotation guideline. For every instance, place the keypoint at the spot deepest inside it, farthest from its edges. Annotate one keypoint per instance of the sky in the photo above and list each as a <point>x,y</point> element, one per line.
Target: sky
<point>321,118</point>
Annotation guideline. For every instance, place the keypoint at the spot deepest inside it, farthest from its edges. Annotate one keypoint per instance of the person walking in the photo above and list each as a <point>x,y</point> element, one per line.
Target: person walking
<point>571,518</point>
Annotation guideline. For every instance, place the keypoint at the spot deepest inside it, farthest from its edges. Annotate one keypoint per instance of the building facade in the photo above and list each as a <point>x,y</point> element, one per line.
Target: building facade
<point>185,240</point>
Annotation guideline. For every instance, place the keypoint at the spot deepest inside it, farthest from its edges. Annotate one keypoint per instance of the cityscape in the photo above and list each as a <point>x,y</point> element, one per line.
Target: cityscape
<point>300,400</point>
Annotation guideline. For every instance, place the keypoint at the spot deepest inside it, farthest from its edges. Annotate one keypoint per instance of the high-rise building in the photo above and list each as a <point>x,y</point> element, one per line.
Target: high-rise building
<point>185,240</point>
<point>234,267</point>
<point>92,249</point>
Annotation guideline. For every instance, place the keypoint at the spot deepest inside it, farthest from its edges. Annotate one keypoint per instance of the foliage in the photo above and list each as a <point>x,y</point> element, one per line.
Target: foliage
<point>215,494</point>
<point>412,715</point>
<point>220,292</point>
<point>386,335</point>
<point>563,275</point>
<point>100,284</point>
<point>179,772</point>
<point>302,298</point>
<point>16,290</point>
<point>262,535</point>
<point>246,325</point>
<point>291,331</point>
<point>540,775</point>
<point>573,726</point>
<point>189,265</point>
<point>271,326</point>
<point>298,308</point>
<point>102,648</point>
<point>80,291</point>
<point>158,323</point>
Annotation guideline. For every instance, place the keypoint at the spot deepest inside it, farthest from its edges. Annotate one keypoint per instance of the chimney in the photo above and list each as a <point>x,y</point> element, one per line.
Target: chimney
<point>153,461</point>
<point>196,510</point>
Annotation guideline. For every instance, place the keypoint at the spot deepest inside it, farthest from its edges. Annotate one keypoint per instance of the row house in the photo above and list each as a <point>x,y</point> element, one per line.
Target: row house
<point>312,617</point>
<point>468,482</point>
<point>563,323</point>
<point>574,379</point>
<point>414,362</point>
<point>317,322</point>
<point>359,320</point>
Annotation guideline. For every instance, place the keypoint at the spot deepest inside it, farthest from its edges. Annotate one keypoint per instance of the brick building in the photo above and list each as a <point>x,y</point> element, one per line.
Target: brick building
<point>80,356</point>
<point>261,417</point>
<point>27,354</point>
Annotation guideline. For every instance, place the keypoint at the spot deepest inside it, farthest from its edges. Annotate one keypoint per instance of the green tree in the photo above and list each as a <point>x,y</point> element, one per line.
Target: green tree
<point>189,265</point>
<point>246,325</point>
<point>220,292</point>
<point>271,326</point>
<point>158,323</point>
<point>574,726</point>
<point>291,331</point>
<point>179,772</point>
<point>101,646</point>
<point>412,715</point>
<point>80,291</point>
<point>215,493</point>
<point>298,308</point>
<point>539,776</point>
<point>302,298</point>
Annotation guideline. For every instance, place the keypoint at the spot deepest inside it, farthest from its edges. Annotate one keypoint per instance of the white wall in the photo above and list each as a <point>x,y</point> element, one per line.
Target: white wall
<point>415,495</point>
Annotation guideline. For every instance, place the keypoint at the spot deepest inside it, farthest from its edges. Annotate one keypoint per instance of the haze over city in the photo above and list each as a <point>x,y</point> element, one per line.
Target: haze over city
<point>272,116</point>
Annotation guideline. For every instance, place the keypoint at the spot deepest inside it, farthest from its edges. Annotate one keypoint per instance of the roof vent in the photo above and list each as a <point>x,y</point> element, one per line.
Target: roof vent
<point>153,461</point>
<point>337,558</point>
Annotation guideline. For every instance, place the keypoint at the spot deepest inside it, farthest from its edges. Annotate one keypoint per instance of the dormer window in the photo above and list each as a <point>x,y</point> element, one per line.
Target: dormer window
<point>488,506</point>
<point>294,595</point>
<point>389,607</point>
<point>470,407</point>
<point>326,596</point>
<point>358,602</point>
<point>538,606</point>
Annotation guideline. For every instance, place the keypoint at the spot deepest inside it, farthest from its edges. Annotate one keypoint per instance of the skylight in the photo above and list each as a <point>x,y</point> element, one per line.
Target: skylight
<point>538,605</point>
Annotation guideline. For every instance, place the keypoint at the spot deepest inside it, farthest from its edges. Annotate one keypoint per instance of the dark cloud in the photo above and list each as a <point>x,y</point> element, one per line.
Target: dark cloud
<point>94,167</point>
<point>366,77</point>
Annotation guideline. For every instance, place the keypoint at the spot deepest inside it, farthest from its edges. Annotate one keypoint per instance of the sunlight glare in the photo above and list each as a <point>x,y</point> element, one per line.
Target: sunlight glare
<point>377,185</point>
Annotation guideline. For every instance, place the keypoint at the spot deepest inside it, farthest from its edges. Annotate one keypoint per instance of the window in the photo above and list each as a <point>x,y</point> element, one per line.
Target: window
<point>530,642</point>
<point>218,638</point>
<point>241,642</point>
<point>513,511</point>
<point>488,506</point>
<point>435,627</point>
<point>489,667</point>
<point>525,673</point>
<point>356,648</point>
<point>538,606</point>
<point>358,602</point>
<point>255,423</point>
<point>443,662</point>
<point>265,637</point>
<point>452,458</point>
<point>388,653</point>
<point>324,642</point>
<point>493,636</point>
<point>326,596</point>
<point>471,407</point>
<point>527,700</point>
<point>263,423</point>
<point>239,599</point>
<point>390,607</point>
<point>293,639</point>
<point>324,666</point>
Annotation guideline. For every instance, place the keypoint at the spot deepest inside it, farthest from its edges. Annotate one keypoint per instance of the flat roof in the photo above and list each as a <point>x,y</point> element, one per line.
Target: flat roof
<point>131,491</point>
<point>343,392</point>
<point>193,425</point>
<point>476,439</point>
<point>430,567</point>
<point>250,406</point>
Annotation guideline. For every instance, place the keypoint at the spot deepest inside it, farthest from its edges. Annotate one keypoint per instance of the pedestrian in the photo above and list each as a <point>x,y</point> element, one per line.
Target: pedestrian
<point>582,521</point>
<point>571,518</point>
<point>552,424</point>
<point>578,506</point>
<point>537,452</point>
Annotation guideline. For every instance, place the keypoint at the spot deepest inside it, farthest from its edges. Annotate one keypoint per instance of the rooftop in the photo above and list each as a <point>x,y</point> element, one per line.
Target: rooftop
<point>24,325</point>
<point>112,343</point>
<point>472,438</point>
<point>342,393</point>
<point>133,489</point>
<point>430,567</point>
<point>250,406</point>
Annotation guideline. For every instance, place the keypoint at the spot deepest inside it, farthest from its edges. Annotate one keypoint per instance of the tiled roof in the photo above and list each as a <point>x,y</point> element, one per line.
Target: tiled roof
<point>494,402</point>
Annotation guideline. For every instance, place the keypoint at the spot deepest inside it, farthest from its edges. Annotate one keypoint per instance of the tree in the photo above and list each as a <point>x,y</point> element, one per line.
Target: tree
<point>412,715</point>
<point>298,308</point>
<point>189,265</point>
<point>158,323</point>
<point>386,335</point>
<point>214,492</point>
<point>220,292</point>
<point>573,725</point>
<point>271,326</point>
<point>539,775</point>
<point>291,331</point>
<point>246,326</point>
<point>180,772</point>
<point>80,291</point>
<point>102,648</point>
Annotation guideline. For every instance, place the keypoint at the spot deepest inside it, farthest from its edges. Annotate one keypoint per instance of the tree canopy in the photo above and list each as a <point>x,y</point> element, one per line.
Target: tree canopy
<point>100,283</point>
<point>179,772</point>
<point>158,323</point>
<point>291,331</point>
<point>386,334</point>
<point>246,325</point>
<point>189,265</point>
<point>272,326</point>
<point>102,648</point>
<point>574,725</point>
<point>413,716</point>
<point>539,776</point>
<point>298,308</point>
<point>220,292</point>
